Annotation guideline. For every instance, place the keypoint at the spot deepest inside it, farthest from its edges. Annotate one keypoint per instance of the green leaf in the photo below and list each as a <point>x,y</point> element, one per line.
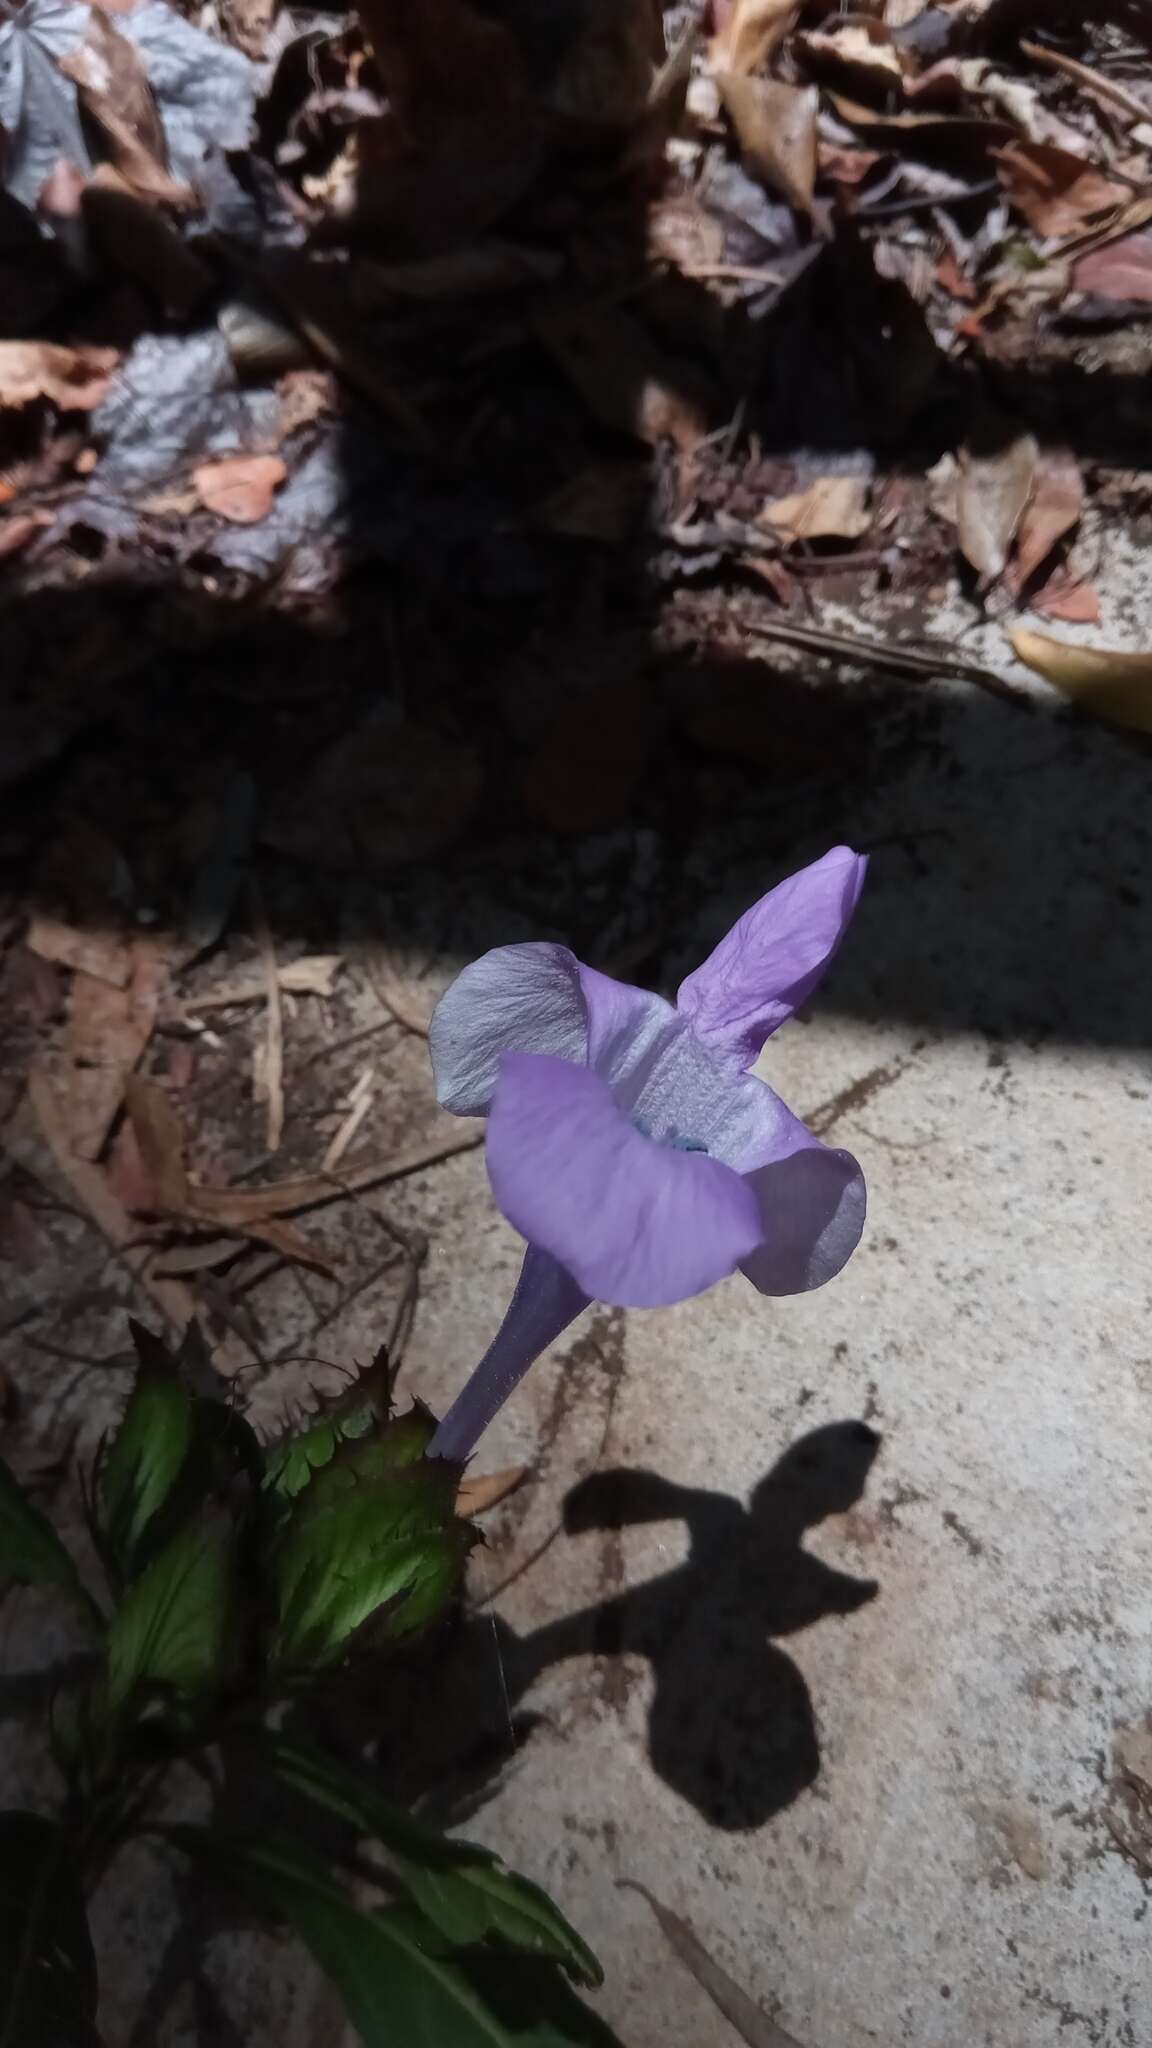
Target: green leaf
<point>47,1968</point>
<point>174,1624</point>
<point>463,1889</point>
<point>396,1983</point>
<point>149,1450</point>
<point>30,1549</point>
<point>372,1540</point>
<point>290,1465</point>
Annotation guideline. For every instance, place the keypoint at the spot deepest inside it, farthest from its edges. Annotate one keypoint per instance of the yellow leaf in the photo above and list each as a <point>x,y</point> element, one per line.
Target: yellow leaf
<point>1114,686</point>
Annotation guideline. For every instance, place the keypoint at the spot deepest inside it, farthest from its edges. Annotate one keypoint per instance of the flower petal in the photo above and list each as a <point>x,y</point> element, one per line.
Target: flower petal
<point>772,958</point>
<point>546,1300</point>
<point>812,1207</point>
<point>514,999</point>
<point>636,1223</point>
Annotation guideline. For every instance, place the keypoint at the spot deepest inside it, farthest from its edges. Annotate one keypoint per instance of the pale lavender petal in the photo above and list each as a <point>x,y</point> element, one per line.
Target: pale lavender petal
<point>636,1223</point>
<point>812,1206</point>
<point>513,999</point>
<point>546,1300</point>
<point>772,958</point>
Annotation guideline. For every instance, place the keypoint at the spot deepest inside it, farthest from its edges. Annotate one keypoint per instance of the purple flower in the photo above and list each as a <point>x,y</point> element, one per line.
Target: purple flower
<point>627,1140</point>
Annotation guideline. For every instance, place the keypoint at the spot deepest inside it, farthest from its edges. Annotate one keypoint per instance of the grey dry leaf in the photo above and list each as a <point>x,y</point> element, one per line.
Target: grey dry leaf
<point>996,480</point>
<point>750,2021</point>
<point>38,110</point>
<point>777,128</point>
<point>831,508</point>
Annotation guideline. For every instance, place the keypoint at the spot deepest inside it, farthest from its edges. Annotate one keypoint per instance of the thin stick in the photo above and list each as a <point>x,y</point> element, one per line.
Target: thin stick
<point>881,654</point>
<point>273,1077</point>
<point>1104,88</point>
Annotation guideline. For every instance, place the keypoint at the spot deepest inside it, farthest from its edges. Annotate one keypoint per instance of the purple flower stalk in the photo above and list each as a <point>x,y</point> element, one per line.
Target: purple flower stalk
<point>627,1140</point>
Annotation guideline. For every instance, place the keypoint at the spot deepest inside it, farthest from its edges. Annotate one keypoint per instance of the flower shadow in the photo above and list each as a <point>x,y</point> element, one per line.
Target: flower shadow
<point>731,1726</point>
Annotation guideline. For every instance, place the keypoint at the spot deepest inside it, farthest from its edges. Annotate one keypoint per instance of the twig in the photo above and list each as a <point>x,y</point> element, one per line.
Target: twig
<point>360,1102</point>
<point>273,1075</point>
<point>1104,88</point>
<point>866,653</point>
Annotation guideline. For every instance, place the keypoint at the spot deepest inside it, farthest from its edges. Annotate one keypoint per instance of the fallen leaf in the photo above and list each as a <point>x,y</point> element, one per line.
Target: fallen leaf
<point>625,378</point>
<point>1117,270</point>
<point>587,772</point>
<point>749,2020</point>
<point>390,792</point>
<point>843,166</point>
<point>831,508</point>
<point>241,488</point>
<point>1053,510</point>
<point>107,1033</point>
<point>114,1224</point>
<point>776,127</point>
<point>860,52</point>
<point>1068,597</point>
<point>137,240</point>
<point>38,112</point>
<point>752,31</point>
<point>1055,192</point>
<point>115,94</point>
<point>479,1492</point>
<point>1110,685</point>
<point>683,232</point>
<point>995,483</point>
<point>269,1076</point>
<point>17,533</point>
<point>900,13</point>
<point>107,955</point>
<point>75,379</point>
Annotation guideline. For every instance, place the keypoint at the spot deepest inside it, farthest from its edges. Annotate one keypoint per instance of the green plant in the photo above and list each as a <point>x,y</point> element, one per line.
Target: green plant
<point>240,1579</point>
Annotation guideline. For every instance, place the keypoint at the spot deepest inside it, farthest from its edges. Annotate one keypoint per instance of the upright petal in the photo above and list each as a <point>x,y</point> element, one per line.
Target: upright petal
<point>546,1300</point>
<point>514,999</point>
<point>636,1223</point>
<point>812,1207</point>
<point>772,958</point>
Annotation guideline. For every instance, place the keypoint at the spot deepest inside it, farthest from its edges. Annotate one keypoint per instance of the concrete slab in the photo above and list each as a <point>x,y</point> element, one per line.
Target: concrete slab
<point>849,1706</point>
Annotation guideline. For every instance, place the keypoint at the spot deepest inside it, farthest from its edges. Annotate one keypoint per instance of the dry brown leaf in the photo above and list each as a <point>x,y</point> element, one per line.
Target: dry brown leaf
<point>749,2020</point>
<point>17,533</point>
<point>624,376</point>
<point>288,1239</point>
<point>75,379</point>
<point>115,93</point>
<point>270,1074</point>
<point>87,1181</point>
<point>996,479</point>
<point>241,488</point>
<point>381,797</point>
<point>1055,192</point>
<point>160,1139</point>
<point>486,1490</point>
<point>587,771</point>
<point>107,955</point>
<point>753,30</point>
<point>831,508</point>
<point>107,1033</point>
<point>1069,597</point>
<point>1054,509</point>
<point>776,126</point>
<point>1117,270</point>
<point>136,239</point>
<point>1111,685</point>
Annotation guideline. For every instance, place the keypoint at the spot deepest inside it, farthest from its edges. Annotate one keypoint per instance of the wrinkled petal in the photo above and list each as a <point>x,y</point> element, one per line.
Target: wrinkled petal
<point>637,1224</point>
<point>546,1300</point>
<point>514,999</point>
<point>812,1207</point>
<point>772,958</point>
